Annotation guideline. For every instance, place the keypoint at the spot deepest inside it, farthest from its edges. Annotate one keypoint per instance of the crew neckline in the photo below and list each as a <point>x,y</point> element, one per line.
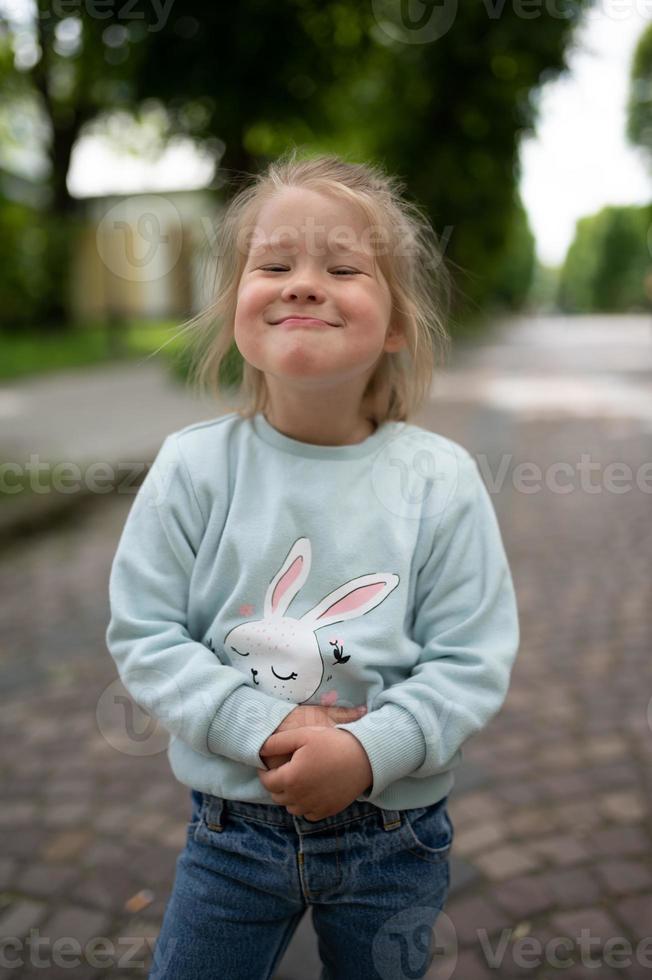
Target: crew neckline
<point>266,431</point>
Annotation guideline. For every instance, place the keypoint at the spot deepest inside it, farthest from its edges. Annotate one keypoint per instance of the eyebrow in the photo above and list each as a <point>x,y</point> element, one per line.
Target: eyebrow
<point>336,248</point>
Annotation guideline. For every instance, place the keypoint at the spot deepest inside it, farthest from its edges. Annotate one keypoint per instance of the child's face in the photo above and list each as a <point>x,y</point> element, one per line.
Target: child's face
<point>311,255</point>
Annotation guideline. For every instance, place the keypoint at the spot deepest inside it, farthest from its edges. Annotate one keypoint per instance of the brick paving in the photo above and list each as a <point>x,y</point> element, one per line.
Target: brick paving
<point>551,807</point>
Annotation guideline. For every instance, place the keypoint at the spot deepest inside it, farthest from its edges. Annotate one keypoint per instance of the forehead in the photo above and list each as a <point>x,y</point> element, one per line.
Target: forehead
<point>299,216</point>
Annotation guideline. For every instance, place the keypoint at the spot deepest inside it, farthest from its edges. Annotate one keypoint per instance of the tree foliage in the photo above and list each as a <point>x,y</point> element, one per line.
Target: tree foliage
<point>447,115</point>
<point>639,104</point>
<point>607,265</point>
<point>246,80</point>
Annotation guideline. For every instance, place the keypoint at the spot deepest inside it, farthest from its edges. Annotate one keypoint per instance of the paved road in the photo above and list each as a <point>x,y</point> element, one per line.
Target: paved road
<point>105,413</point>
<point>552,804</point>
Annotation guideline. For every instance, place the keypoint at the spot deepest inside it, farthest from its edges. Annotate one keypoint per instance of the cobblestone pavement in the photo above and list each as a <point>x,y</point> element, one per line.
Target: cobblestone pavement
<point>551,806</point>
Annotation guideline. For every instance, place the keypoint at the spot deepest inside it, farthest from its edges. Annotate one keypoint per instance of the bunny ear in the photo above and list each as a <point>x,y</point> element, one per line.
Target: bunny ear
<point>289,579</point>
<point>352,599</point>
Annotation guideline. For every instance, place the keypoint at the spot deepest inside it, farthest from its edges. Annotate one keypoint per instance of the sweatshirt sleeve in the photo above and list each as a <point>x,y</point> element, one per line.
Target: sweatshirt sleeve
<point>467,625</point>
<point>175,678</point>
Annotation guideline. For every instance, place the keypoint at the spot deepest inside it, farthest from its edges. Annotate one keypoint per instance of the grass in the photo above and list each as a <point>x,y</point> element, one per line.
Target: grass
<point>31,352</point>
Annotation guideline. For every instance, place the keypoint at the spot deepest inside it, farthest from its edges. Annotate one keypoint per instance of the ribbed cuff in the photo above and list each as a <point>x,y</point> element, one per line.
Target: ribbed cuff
<point>243,724</point>
<point>393,742</point>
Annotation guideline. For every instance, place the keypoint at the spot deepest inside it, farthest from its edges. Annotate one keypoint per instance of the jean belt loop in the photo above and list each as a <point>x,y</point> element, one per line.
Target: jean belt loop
<point>215,812</point>
<point>391,819</point>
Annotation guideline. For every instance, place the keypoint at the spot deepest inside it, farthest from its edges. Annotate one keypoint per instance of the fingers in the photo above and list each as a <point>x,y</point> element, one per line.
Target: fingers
<point>342,715</point>
<point>269,780</point>
<point>293,720</point>
<point>295,811</point>
<point>274,761</point>
<point>307,715</point>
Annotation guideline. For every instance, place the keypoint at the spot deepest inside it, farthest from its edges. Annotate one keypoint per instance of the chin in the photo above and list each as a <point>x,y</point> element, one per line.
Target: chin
<point>302,362</point>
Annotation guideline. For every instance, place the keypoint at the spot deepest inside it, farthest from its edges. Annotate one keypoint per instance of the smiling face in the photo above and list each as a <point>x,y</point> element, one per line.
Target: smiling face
<point>311,256</point>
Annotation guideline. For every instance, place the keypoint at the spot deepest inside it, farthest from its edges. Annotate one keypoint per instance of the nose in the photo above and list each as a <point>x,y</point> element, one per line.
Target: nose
<point>302,288</point>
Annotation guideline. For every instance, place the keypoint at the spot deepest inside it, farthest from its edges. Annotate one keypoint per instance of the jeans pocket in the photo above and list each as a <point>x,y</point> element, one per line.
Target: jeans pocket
<point>217,827</point>
<point>429,831</point>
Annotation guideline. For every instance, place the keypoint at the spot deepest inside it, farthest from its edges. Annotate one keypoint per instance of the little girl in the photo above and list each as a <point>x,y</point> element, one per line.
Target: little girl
<point>305,555</point>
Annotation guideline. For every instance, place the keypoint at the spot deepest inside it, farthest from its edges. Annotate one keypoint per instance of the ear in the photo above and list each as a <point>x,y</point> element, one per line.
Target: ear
<point>351,600</point>
<point>288,580</point>
<point>394,339</point>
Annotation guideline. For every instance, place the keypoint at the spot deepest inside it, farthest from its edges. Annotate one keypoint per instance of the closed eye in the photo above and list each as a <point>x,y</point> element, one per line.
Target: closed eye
<point>336,272</point>
<point>290,677</point>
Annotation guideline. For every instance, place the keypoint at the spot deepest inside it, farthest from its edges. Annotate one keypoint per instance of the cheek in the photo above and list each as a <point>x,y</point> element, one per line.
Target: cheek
<point>249,330</point>
<point>258,290</point>
<point>372,317</point>
<point>250,307</point>
<point>248,302</point>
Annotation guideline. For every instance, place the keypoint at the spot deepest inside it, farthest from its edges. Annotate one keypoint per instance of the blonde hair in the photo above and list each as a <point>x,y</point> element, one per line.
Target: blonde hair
<point>411,262</point>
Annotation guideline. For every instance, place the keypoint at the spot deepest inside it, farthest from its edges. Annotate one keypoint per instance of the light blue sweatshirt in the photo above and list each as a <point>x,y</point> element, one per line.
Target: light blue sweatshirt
<point>256,572</point>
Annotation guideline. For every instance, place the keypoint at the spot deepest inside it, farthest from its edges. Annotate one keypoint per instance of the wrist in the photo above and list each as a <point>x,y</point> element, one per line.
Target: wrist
<point>365,763</point>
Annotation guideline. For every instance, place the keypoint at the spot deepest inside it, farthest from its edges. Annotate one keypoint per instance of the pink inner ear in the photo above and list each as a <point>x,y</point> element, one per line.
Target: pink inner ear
<point>354,600</point>
<point>285,581</point>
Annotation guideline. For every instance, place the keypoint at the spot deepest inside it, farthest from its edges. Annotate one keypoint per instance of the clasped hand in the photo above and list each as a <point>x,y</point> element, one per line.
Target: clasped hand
<point>328,770</point>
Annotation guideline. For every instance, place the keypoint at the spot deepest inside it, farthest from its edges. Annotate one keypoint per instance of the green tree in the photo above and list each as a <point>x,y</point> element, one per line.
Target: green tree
<point>245,80</point>
<point>86,73</point>
<point>639,103</point>
<point>544,289</point>
<point>446,115</point>
<point>514,279</point>
<point>607,262</point>
<point>62,69</point>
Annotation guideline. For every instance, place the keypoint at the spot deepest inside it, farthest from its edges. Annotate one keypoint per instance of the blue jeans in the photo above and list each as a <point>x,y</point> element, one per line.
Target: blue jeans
<point>376,880</point>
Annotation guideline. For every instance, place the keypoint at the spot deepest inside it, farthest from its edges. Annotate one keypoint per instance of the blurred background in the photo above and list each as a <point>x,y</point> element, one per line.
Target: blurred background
<point>525,130</point>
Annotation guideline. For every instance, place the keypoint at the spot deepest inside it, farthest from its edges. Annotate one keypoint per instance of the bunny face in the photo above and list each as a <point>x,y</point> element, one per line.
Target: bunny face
<point>280,655</point>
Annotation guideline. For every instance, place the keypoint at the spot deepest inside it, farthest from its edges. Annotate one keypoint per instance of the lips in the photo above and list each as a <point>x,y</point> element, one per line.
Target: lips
<point>301,316</point>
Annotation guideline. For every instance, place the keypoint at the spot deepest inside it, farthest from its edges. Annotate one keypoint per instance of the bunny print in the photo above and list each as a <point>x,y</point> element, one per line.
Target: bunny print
<point>281,654</point>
